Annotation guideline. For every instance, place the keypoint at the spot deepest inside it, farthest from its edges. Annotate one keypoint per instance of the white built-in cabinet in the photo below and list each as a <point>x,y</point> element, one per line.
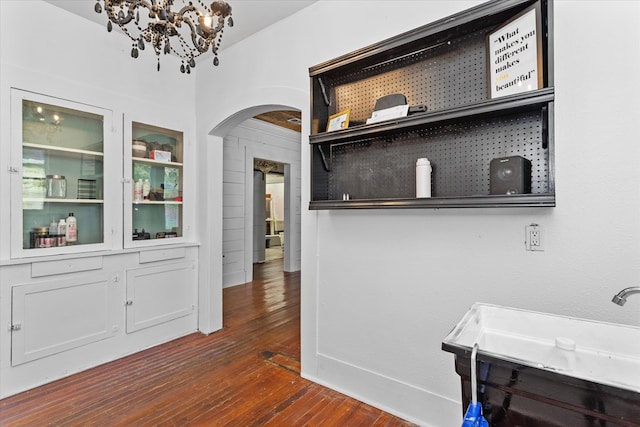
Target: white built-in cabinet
<point>154,157</point>
<point>62,163</point>
<point>129,281</point>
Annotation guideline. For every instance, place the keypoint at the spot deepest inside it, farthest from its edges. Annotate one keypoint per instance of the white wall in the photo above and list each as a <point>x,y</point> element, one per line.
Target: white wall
<point>254,139</point>
<point>382,288</point>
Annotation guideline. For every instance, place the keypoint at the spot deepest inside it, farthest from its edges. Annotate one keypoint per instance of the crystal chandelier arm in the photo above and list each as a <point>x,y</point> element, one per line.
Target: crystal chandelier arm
<point>160,25</point>
<point>132,5</point>
<point>202,43</point>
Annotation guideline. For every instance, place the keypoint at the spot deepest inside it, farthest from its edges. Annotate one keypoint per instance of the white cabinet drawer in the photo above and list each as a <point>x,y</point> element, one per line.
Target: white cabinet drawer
<point>75,265</point>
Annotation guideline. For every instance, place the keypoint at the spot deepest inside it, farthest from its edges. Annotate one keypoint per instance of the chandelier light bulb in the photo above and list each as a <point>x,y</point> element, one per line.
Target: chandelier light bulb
<point>206,22</point>
<point>187,32</point>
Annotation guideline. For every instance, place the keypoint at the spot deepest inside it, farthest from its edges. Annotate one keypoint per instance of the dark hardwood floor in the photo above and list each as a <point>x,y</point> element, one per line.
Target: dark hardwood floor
<point>244,375</point>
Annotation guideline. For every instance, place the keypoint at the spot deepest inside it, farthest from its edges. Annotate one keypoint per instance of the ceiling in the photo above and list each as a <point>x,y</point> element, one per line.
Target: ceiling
<point>249,16</point>
<point>286,119</point>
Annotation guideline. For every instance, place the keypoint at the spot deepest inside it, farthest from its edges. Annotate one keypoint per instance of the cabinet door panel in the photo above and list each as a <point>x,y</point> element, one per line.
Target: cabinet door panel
<point>160,294</point>
<point>63,156</point>
<point>154,167</point>
<point>51,317</point>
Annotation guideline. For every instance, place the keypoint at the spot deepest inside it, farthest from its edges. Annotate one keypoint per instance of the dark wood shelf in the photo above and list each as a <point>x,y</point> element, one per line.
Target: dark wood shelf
<point>490,201</point>
<point>520,102</point>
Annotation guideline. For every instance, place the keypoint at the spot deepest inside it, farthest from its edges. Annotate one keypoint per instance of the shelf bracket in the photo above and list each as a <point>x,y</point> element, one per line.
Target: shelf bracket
<point>545,128</point>
<point>324,159</point>
<point>324,92</point>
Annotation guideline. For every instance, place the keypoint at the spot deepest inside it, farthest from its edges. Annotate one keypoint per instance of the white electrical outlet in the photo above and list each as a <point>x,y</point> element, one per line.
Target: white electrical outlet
<point>533,238</point>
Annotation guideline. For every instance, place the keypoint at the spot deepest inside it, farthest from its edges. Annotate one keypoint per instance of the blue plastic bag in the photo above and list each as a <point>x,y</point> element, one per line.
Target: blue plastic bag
<point>473,417</point>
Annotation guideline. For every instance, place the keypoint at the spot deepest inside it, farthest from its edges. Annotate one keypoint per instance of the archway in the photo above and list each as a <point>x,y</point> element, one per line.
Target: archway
<point>210,212</point>
<point>251,140</point>
<point>214,121</point>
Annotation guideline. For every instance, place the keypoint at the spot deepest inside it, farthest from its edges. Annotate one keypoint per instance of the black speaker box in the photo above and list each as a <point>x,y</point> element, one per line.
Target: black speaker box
<point>510,175</point>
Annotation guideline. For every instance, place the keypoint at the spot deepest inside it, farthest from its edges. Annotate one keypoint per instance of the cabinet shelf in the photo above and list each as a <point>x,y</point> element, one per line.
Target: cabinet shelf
<point>72,152</point>
<point>74,201</point>
<point>156,162</point>
<point>158,202</point>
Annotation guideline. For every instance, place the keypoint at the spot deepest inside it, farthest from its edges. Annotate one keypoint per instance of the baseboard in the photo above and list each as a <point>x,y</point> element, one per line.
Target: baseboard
<point>233,279</point>
<point>403,400</point>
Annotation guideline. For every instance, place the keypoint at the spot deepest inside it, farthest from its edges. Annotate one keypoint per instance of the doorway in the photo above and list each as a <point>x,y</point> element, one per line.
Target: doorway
<point>269,213</point>
<point>243,228</point>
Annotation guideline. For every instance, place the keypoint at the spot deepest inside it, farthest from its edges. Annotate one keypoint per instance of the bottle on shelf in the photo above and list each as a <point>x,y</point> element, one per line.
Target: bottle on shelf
<point>137,193</point>
<point>146,189</point>
<point>62,233</point>
<point>62,228</point>
<point>53,227</point>
<point>423,178</point>
<point>72,229</point>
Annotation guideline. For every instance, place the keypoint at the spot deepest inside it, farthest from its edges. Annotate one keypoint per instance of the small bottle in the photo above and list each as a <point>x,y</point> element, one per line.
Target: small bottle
<point>62,228</point>
<point>72,229</point>
<point>146,189</point>
<point>53,227</point>
<point>423,178</point>
<point>137,193</point>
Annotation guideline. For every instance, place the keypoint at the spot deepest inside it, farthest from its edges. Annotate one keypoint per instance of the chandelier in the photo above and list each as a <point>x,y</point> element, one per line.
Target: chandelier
<point>265,166</point>
<point>187,32</point>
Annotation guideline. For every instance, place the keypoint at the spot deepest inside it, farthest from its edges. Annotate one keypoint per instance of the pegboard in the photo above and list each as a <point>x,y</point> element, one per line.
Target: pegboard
<point>443,67</point>
<point>460,155</point>
<point>444,75</point>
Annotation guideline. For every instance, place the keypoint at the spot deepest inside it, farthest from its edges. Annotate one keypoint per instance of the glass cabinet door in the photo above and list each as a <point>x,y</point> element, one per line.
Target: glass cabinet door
<point>156,185</point>
<point>61,182</point>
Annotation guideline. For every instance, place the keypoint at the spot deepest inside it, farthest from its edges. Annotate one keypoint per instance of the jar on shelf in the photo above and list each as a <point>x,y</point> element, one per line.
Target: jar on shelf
<point>56,187</point>
<point>37,236</point>
<point>139,149</point>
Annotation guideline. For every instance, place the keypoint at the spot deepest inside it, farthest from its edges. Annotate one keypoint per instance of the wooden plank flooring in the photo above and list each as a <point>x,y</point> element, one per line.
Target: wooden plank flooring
<point>244,375</point>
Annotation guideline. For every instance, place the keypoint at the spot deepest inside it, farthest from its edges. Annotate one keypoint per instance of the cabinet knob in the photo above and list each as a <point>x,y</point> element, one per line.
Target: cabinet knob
<point>128,302</point>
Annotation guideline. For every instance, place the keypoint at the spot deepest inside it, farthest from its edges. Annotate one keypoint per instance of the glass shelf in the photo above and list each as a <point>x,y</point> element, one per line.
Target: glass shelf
<point>69,151</point>
<point>45,200</point>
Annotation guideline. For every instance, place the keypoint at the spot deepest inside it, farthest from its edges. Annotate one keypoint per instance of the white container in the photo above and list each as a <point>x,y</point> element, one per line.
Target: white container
<point>53,227</point>
<point>62,228</point>
<point>146,189</point>
<point>423,178</point>
<point>72,229</point>
<point>137,192</point>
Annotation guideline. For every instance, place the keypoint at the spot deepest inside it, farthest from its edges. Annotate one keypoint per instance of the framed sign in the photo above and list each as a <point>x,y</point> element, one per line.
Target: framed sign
<point>514,55</point>
<point>339,121</point>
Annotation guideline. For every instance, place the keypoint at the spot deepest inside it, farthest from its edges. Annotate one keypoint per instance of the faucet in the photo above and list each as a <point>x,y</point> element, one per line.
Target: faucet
<point>621,297</point>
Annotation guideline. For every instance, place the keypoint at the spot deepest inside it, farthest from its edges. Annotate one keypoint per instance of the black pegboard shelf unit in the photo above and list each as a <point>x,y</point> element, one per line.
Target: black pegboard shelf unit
<point>442,65</point>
